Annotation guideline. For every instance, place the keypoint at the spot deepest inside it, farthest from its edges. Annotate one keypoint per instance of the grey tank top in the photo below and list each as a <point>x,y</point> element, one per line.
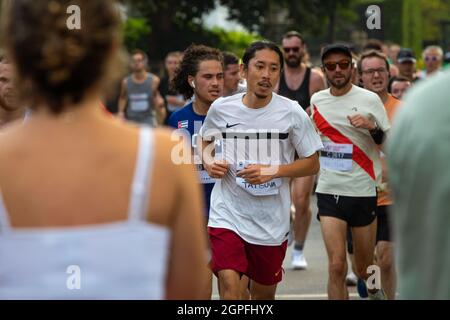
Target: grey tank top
<point>140,108</point>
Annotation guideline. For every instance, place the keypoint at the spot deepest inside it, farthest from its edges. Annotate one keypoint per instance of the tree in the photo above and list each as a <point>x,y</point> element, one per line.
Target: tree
<point>174,24</point>
<point>311,17</point>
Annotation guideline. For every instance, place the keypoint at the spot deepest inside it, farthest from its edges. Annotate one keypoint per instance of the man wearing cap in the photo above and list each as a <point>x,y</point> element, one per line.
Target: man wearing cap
<point>352,122</point>
<point>407,64</point>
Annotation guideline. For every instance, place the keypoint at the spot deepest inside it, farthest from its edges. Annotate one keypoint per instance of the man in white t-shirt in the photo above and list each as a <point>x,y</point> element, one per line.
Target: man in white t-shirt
<point>260,133</point>
<point>351,121</point>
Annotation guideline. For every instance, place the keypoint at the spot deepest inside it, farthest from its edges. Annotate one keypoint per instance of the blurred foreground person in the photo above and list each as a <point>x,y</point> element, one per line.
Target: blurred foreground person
<point>418,151</point>
<point>87,216</point>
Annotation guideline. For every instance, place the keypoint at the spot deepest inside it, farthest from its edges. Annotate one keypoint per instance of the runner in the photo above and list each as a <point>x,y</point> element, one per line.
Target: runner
<point>250,204</point>
<point>373,68</point>
<point>173,100</point>
<point>398,86</point>
<point>140,100</point>
<point>352,122</point>
<point>200,76</point>
<point>407,64</point>
<point>299,82</point>
<point>231,75</point>
<point>433,56</point>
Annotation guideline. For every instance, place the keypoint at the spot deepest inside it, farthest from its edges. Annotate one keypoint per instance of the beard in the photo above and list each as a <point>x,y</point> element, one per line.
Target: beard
<point>342,83</point>
<point>293,62</point>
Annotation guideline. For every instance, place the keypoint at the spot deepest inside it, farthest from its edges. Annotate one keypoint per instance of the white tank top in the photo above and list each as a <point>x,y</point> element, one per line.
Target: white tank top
<point>119,260</point>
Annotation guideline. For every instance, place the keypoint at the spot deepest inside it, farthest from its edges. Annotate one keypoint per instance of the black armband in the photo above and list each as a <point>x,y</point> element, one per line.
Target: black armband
<point>377,135</point>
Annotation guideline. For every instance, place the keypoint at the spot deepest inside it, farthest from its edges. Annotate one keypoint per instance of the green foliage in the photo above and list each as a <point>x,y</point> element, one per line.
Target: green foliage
<point>166,25</point>
<point>234,41</point>
<point>433,13</point>
<point>136,31</point>
<point>412,25</point>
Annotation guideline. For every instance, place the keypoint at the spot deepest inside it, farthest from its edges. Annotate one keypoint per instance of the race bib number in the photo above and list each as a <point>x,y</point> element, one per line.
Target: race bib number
<point>269,188</point>
<point>337,156</point>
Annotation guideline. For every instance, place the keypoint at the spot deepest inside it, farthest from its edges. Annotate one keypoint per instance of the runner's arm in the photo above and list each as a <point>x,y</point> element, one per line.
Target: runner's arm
<point>122,99</point>
<point>215,169</point>
<point>308,166</point>
<point>158,101</point>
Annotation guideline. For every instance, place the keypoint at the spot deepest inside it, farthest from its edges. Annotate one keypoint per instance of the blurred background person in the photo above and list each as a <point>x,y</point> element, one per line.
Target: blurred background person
<point>140,100</point>
<point>433,59</point>
<point>91,198</point>
<point>407,64</point>
<point>398,86</point>
<point>232,75</point>
<point>173,100</point>
<point>10,108</point>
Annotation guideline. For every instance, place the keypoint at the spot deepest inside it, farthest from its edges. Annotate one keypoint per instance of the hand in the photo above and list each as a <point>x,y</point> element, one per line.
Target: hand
<point>359,121</point>
<point>308,111</point>
<point>217,169</point>
<point>257,173</point>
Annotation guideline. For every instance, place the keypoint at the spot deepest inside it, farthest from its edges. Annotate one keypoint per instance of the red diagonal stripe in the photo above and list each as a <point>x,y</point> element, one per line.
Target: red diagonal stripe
<point>334,135</point>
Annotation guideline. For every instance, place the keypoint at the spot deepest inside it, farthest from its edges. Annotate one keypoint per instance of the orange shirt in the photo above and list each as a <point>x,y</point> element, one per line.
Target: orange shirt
<point>384,196</point>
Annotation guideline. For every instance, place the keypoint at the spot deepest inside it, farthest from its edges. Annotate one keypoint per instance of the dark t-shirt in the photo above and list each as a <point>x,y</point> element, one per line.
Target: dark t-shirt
<point>187,119</point>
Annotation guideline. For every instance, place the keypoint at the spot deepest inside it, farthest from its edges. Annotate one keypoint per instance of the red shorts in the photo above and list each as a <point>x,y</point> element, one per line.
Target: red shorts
<point>262,264</point>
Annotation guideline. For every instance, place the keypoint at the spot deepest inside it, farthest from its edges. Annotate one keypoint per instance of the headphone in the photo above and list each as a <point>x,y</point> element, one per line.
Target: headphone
<point>193,84</point>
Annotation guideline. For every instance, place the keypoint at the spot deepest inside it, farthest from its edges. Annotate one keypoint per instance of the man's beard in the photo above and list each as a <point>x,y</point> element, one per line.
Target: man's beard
<point>340,85</point>
<point>293,62</point>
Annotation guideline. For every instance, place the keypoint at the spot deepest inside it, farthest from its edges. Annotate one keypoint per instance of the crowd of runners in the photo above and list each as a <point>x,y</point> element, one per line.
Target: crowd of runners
<point>206,172</point>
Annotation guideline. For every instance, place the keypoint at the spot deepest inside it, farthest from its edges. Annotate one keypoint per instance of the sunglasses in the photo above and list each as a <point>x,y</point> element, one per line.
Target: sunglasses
<point>432,58</point>
<point>371,72</point>
<point>343,65</point>
<point>293,49</point>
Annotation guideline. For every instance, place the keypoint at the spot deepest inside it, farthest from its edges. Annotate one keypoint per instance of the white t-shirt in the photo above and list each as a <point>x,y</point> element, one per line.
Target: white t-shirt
<point>258,214</point>
<point>350,162</point>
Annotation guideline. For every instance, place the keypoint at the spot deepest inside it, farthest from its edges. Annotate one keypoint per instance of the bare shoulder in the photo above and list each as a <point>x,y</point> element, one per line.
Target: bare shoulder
<point>155,78</point>
<point>10,136</point>
<point>164,145</point>
<point>316,74</point>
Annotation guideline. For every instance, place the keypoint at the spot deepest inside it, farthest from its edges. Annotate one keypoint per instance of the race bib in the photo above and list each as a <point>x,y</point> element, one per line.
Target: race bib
<point>337,156</point>
<point>139,102</point>
<point>269,188</point>
<point>204,176</point>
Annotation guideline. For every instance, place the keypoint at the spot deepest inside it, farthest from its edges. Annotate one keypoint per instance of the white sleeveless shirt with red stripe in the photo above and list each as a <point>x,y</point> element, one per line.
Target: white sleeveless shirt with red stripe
<point>350,162</point>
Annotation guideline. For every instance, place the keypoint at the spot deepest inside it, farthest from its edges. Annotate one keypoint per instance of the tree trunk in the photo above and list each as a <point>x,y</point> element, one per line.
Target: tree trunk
<point>332,23</point>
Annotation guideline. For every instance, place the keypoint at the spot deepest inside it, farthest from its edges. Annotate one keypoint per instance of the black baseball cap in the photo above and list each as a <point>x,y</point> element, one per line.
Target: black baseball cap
<point>336,48</point>
<point>405,55</point>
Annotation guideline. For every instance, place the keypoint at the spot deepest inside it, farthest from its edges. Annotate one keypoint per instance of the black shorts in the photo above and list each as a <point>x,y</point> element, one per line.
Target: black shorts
<point>383,223</point>
<point>356,211</point>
